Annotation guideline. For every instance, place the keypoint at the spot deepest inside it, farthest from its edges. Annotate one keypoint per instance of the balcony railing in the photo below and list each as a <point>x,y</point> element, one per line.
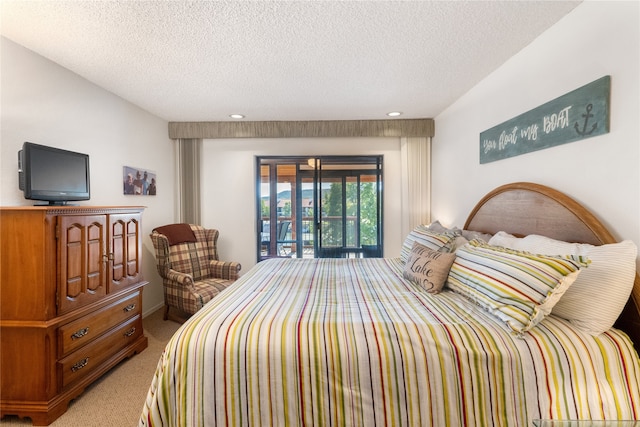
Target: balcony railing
<point>332,242</point>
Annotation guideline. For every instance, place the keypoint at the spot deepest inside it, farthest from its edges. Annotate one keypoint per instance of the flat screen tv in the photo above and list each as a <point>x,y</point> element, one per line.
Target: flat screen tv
<point>53,175</point>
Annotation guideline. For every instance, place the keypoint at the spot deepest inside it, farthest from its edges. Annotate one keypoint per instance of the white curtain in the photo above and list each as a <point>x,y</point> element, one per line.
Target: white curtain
<point>188,158</point>
<point>416,182</point>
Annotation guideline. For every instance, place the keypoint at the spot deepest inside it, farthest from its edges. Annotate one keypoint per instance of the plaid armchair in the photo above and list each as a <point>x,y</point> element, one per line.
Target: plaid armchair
<point>187,260</point>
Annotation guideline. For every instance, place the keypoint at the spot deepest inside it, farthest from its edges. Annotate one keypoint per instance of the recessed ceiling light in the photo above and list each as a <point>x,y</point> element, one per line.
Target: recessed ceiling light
<point>236,116</point>
<point>394,114</point>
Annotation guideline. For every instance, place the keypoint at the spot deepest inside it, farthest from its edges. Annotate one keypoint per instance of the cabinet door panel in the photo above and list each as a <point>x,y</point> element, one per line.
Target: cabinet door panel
<point>117,252</point>
<point>133,257</point>
<point>73,255</point>
<point>81,246</point>
<point>95,257</point>
<point>125,239</point>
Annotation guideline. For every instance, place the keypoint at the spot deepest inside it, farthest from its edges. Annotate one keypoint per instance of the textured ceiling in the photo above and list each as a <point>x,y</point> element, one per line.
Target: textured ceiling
<point>275,60</point>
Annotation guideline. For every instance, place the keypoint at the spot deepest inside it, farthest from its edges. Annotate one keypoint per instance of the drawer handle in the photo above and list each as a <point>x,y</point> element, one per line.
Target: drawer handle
<point>129,308</point>
<point>81,364</point>
<point>80,333</point>
<point>130,332</point>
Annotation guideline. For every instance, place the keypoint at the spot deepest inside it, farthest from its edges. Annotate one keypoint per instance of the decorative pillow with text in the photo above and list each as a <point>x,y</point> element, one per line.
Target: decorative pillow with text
<point>428,268</point>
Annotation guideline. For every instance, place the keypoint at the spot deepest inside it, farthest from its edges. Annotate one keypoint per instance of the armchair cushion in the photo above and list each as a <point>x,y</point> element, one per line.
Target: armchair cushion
<point>200,293</point>
<point>190,258</point>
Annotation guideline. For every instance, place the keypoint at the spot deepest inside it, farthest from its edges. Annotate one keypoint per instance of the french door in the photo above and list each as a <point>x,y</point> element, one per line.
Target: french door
<point>325,206</point>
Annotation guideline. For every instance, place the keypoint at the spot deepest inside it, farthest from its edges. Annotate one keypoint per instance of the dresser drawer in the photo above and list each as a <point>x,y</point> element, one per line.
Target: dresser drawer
<point>81,362</point>
<point>84,330</point>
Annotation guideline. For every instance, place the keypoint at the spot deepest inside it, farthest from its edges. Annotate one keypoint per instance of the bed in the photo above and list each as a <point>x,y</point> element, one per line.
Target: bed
<point>354,342</point>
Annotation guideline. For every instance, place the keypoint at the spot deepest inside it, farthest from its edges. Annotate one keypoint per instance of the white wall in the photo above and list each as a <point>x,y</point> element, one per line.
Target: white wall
<point>603,173</point>
<point>47,104</point>
<point>229,186</point>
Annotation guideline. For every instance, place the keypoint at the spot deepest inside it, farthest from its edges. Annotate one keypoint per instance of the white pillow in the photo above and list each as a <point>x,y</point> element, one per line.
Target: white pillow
<point>505,240</point>
<point>599,294</point>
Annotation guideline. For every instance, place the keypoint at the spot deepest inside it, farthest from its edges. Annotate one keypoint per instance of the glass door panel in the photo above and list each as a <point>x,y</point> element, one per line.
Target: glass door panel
<point>370,219</point>
<point>277,216</point>
<point>352,211</point>
<point>264,212</point>
<point>350,207</point>
<point>331,216</point>
<point>307,225</point>
<point>286,213</point>
<point>325,206</point>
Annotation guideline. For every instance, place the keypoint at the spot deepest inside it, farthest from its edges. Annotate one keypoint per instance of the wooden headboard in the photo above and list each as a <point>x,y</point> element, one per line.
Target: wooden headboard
<point>524,208</point>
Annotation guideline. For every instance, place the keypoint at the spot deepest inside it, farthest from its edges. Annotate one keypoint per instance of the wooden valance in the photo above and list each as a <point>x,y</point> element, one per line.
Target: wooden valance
<point>303,129</point>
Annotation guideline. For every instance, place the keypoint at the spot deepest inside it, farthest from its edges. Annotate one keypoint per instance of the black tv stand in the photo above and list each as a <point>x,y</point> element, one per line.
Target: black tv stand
<point>55,203</point>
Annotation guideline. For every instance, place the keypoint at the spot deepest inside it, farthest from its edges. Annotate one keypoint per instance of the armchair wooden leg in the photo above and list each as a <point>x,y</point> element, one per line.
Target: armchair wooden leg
<point>166,312</point>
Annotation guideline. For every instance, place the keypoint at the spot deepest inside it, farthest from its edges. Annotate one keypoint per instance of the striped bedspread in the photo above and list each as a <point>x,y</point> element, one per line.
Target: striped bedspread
<point>349,342</point>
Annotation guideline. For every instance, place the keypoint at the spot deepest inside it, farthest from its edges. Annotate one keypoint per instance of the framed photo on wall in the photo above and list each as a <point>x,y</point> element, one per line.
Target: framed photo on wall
<point>139,181</point>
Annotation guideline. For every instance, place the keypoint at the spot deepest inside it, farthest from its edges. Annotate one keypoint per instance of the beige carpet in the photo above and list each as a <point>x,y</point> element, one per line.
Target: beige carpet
<point>117,398</point>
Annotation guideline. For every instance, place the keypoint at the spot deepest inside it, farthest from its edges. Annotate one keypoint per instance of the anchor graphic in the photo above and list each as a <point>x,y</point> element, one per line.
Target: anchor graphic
<point>586,119</point>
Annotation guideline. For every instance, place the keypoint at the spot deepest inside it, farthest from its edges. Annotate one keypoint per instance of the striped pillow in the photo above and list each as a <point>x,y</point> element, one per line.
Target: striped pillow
<point>518,287</point>
<point>433,240</point>
<point>608,280</point>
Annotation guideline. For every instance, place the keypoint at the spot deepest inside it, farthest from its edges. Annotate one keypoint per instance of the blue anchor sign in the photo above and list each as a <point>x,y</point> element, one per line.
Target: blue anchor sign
<point>579,114</point>
<point>586,116</point>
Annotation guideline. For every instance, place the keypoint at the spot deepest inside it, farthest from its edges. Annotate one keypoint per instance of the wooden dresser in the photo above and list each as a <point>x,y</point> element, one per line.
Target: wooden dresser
<point>70,302</point>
